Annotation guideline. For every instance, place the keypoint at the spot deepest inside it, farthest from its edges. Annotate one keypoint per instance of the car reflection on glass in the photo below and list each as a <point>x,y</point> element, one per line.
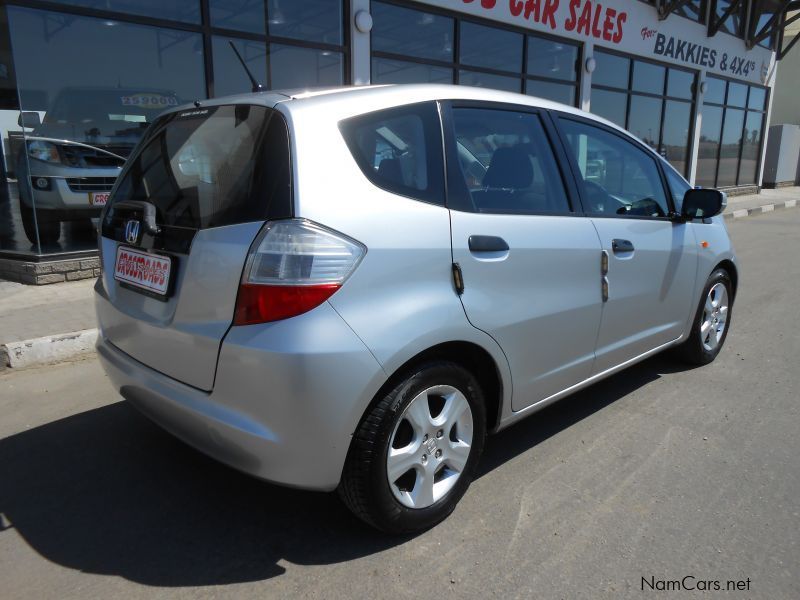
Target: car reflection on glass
<point>71,159</point>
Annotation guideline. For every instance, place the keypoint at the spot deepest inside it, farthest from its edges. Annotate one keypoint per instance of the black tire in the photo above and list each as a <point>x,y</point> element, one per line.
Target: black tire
<point>49,228</point>
<point>693,351</point>
<point>365,487</point>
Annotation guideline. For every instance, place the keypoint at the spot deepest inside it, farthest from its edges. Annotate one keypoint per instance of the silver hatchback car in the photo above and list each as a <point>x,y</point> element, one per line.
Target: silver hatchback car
<point>348,289</point>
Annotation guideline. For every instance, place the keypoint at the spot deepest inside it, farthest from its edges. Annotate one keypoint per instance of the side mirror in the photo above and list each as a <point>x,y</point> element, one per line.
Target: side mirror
<point>703,203</point>
<point>29,119</point>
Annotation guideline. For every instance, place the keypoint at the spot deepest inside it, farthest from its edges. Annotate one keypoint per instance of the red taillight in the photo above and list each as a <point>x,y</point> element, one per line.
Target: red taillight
<point>293,266</point>
<point>264,303</point>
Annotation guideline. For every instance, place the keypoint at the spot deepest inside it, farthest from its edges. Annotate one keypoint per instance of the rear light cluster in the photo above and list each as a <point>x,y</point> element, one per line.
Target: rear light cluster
<point>293,266</point>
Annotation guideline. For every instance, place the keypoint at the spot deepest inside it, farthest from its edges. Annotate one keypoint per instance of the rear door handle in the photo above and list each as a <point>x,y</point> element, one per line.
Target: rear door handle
<point>487,243</point>
<point>621,246</point>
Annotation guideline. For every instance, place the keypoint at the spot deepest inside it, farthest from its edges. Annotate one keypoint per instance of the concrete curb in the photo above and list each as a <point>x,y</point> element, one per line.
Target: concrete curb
<point>48,349</point>
<point>759,210</point>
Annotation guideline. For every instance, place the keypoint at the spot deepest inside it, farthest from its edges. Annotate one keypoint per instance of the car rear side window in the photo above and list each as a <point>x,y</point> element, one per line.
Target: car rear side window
<point>619,178</point>
<point>210,167</point>
<point>400,150</point>
<point>507,163</point>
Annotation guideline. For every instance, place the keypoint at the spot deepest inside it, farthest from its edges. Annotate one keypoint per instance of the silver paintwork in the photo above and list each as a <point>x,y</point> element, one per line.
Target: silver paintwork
<point>715,316</point>
<point>287,396</point>
<point>436,459</point>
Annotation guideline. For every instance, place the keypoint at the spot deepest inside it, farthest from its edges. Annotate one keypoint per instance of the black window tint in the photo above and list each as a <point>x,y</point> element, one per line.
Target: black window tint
<point>507,163</point>
<point>400,150</point>
<point>619,177</point>
<point>198,168</point>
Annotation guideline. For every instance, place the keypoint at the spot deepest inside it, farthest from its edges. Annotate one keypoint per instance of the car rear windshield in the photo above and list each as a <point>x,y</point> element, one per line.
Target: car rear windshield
<point>209,167</point>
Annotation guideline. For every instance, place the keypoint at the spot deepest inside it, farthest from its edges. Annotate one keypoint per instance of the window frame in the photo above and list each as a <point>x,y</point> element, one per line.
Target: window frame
<point>457,193</point>
<point>558,116</point>
<point>208,30</point>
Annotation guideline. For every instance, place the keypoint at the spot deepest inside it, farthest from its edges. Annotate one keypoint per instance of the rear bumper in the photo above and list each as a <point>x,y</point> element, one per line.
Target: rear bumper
<point>286,401</point>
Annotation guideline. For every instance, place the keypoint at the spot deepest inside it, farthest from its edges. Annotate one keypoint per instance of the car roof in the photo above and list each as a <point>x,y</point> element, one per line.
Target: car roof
<point>346,101</point>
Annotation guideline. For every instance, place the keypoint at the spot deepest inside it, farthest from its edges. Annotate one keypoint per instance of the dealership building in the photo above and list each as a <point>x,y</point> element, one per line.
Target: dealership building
<point>81,79</point>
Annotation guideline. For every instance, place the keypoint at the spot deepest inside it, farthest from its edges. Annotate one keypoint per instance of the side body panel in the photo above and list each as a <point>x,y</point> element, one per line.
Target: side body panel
<point>541,299</point>
<point>401,299</point>
<point>650,289</point>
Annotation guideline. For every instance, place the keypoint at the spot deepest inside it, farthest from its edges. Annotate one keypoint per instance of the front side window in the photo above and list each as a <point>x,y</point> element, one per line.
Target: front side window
<point>400,150</point>
<point>619,178</point>
<point>507,163</point>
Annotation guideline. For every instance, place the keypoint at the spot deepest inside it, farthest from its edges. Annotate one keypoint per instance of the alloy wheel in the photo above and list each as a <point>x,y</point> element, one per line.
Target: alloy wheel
<point>430,446</point>
<point>715,317</point>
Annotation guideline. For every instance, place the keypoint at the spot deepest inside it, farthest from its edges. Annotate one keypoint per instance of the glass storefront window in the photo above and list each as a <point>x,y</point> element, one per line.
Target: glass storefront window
<point>710,130</point>
<point>487,56</point>
<point>729,150</point>
<point>385,70</point>
<point>174,10</point>
<point>716,90</point>
<point>81,84</point>
<point>489,80</point>
<point>737,94</point>
<point>757,98</point>
<point>293,67</point>
<point>432,34</point>
<point>489,47</point>
<point>284,66</point>
<point>556,92</point>
<point>644,119</point>
<point>648,77</point>
<point>751,143</point>
<point>731,137</point>
<point>658,108</point>
<point>229,76</point>
<point>680,84</point>
<point>610,105</point>
<point>676,135</point>
<point>552,60</point>
<point>309,20</point>
<point>611,70</point>
<point>241,15</point>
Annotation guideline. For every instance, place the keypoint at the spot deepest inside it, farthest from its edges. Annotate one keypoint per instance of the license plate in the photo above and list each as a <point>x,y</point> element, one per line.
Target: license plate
<point>98,198</point>
<point>143,271</point>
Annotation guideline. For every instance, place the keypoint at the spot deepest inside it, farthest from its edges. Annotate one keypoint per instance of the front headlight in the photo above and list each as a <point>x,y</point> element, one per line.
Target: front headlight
<point>45,151</point>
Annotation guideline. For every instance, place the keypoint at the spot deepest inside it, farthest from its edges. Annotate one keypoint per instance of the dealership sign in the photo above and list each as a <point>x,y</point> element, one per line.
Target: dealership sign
<point>631,27</point>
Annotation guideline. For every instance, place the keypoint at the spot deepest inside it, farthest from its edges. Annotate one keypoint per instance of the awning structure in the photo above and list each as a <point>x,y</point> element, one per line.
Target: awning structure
<point>759,20</point>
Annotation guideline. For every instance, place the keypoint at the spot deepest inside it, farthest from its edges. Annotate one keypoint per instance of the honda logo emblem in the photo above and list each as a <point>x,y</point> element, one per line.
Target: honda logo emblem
<point>132,231</point>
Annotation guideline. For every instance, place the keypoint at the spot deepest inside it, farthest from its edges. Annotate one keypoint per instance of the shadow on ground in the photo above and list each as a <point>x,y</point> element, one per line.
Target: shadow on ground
<point>108,492</point>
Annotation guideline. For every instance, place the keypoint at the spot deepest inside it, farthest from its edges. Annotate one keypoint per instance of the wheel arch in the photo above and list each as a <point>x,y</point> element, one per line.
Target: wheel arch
<point>473,357</point>
<point>730,267</point>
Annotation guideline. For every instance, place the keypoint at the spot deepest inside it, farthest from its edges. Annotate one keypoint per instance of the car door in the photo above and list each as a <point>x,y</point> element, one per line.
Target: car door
<point>651,258</point>
<point>530,264</point>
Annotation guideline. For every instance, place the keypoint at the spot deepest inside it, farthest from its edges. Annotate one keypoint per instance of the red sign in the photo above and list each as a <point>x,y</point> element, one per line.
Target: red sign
<point>585,17</point>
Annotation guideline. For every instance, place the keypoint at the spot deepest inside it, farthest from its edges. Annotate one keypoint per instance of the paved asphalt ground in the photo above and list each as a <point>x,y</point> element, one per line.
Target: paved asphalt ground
<point>658,472</point>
